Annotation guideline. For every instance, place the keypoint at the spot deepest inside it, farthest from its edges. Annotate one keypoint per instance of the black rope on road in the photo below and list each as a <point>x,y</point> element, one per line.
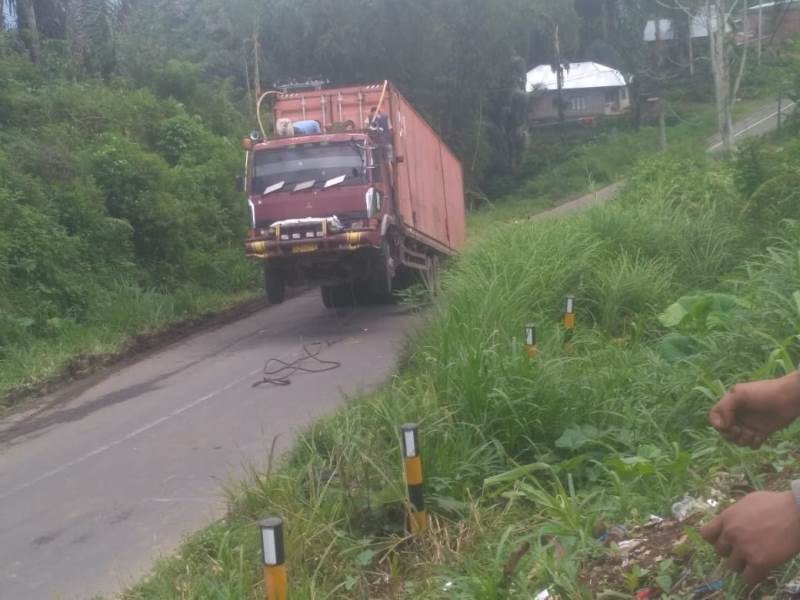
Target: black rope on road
<point>279,372</point>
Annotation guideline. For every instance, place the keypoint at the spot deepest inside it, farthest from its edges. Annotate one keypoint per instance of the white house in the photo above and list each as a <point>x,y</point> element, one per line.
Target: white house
<point>666,28</point>
<point>590,89</point>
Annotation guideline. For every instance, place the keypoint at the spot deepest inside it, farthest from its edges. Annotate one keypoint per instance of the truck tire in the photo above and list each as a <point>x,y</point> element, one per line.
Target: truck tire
<point>274,286</point>
<point>326,291</point>
<point>337,296</point>
<point>432,275</point>
<point>381,279</point>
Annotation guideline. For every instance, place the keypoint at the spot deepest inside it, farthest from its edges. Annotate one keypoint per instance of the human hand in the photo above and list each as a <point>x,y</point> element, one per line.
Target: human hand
<point>750,412</point>
<point>757,534</point>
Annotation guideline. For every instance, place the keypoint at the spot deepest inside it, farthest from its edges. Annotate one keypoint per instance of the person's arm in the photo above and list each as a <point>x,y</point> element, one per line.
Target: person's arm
<point>757,534</point>
<point>751,412</point>
<point>762,530</point>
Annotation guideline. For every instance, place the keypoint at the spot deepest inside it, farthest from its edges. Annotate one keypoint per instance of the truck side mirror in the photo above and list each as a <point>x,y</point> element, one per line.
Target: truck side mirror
<point>240,184</point>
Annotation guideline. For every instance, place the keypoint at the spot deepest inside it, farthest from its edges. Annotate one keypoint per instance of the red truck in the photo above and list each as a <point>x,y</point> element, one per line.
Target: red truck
<point>354,192</point>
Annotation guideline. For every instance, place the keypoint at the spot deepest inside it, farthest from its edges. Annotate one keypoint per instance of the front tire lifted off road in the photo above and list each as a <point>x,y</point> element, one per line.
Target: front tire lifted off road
<point>274,286</point>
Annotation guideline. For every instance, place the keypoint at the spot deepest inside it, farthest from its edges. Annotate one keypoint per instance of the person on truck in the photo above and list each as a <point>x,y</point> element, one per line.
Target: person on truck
<point>762,530</point>
<point>379,122</point>
<point>382,135</point>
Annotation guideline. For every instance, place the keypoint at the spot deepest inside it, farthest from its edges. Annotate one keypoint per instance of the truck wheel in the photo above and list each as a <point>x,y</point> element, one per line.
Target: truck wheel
<point>326,291</point>
<point>274,286</point>
<point>337,296</point>
<point>432,276</point>
<point>382,277</point>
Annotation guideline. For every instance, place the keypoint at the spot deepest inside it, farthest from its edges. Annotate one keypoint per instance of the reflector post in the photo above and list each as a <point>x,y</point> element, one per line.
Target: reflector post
<point>274,556</point>
<point>530,340</point>
<point>417,518</point>
<point>569,320</point>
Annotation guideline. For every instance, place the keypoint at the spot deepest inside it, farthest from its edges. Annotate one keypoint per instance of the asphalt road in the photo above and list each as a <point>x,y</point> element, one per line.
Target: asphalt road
<point>99,480</point>
<point>759,122</point>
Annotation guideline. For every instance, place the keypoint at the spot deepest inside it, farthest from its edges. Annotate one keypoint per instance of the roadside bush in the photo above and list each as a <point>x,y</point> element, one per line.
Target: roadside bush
<point>115,197</point>
<point>183,139</point>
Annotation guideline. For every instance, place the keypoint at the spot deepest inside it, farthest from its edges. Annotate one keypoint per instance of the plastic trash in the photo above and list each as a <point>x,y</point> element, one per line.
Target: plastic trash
<point>653,521</point>
<point>543,595</point>
<point>630,544</point>
<point>648,593</point>
<point>685,508</point>
<point>793,588</point>
<point>616,534</point>
<point>707,589</point>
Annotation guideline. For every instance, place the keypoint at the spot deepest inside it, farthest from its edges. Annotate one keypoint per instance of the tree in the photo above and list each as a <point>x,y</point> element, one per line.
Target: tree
<point>26,14</point>
<point>51,18</point>
<point>723,62</point>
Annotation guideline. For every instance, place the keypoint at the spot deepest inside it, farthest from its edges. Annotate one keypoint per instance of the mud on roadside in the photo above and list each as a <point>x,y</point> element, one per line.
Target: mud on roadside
<point>137,347</point>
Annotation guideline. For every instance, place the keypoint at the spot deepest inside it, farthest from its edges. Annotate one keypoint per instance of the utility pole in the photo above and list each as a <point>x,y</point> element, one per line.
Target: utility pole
<point>559,70</point>
<point>659,41</point>
<point>691,43</point>
<point>256,67</point>
<point>760,27</point>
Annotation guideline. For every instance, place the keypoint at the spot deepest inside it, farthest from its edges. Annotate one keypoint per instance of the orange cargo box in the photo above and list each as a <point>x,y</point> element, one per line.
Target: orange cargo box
<point>428,179</point>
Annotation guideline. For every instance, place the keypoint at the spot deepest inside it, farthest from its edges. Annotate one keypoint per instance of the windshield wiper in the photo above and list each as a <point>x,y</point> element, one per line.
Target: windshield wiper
<point>304,185</point>
<point>334,181</point>
<point>273,188</point>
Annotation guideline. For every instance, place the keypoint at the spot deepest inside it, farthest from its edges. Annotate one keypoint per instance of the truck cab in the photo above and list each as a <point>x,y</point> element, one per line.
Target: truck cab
<point>316,203</point>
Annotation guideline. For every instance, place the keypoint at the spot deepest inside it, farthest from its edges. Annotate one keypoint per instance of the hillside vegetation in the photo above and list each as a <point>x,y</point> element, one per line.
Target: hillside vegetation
<point>120,141</point>
<point>686,284</point>
<point>119,211</point>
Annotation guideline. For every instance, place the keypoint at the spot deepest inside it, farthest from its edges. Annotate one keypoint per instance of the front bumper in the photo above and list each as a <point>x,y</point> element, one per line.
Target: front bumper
<point>345,242</point>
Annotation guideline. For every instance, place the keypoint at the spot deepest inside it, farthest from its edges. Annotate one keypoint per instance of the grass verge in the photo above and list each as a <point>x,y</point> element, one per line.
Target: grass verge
<point>125,318</point>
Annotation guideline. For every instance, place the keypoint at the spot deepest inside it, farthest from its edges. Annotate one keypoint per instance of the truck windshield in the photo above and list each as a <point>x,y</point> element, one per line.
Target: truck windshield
<point>283,168</point>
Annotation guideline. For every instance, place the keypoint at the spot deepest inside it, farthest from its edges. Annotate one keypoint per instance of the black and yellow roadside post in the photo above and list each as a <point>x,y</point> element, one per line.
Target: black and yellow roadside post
<point>569,322</point>
<point>530,340</point>
<point>275,578</point>
<point>418,518</point>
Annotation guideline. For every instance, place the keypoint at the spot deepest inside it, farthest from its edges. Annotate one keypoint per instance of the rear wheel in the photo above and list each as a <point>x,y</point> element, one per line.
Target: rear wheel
<point>274,286</point>
<point>432,274</point>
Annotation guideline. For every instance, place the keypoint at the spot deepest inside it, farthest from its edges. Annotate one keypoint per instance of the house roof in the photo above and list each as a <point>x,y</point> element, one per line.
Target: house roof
<point>777,3</point>
<point>581,75</point>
